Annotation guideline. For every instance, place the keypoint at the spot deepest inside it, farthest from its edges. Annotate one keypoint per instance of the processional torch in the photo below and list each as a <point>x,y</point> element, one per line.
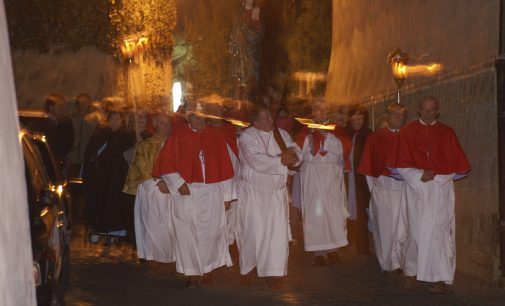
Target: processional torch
<point>398,61</point>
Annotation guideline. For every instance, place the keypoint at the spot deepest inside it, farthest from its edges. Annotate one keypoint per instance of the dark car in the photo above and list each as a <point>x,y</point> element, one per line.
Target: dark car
<point>49,219</point>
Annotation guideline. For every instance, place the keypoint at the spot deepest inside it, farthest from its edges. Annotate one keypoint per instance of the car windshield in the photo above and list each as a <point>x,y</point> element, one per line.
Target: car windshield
<point>54,175</point>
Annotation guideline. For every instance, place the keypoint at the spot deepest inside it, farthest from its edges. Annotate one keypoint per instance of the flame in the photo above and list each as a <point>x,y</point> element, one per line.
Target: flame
<point>313,125</point>
<point>132,44</point>
<point>230,120</point>
<point>401,70</point>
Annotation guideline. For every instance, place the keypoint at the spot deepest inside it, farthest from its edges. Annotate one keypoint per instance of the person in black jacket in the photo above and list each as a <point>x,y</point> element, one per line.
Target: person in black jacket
<point>58,128</point>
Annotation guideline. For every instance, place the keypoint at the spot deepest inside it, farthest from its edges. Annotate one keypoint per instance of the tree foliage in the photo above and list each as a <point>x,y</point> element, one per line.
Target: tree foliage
<point>46,25</point>
<point>309,45</point>
<point>207,30</point>
<point>155,19</point>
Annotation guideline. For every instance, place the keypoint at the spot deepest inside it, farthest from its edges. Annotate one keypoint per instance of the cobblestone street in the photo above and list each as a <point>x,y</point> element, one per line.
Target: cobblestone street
<point>109,275</point>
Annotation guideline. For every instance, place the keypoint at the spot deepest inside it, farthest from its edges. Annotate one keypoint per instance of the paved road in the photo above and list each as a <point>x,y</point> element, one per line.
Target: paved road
<point>109,275</point>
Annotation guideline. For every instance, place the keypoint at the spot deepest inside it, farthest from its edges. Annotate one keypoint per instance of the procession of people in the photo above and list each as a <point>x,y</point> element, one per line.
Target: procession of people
<point>193,189</point>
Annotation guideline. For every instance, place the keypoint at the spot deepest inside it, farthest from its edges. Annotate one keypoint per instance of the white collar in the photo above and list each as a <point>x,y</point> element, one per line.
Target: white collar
<point>393,130</point>
<point>262,131</point>
<point>424,123</point>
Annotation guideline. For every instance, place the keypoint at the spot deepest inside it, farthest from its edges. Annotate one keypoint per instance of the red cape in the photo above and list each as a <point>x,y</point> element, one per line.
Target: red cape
<point>180,153</point>
<point>318,140</point>
<point>434,147</point>
<point>378,153</point>
<point>230,136</point>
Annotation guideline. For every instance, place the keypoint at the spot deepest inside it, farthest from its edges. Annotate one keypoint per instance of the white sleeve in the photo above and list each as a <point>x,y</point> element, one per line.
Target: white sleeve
<point>412,176</point>
<point>442,179</point>
<point>370,180</point>
<point>229,191</point>
<point>174,181</point>
<point>258,160</point>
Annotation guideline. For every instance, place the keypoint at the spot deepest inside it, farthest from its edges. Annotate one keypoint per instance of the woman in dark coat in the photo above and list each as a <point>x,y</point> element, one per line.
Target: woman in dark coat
<point>358,195</point>
<point>104,174</point>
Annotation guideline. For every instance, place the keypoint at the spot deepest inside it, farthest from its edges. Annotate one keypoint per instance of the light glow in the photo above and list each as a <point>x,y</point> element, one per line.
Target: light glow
<point>402,71</point>
<point>176,95</point>
<point>313,125</point>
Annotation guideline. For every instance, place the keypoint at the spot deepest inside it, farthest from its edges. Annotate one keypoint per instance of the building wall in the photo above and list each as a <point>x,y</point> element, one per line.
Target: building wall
<point>462,35</point>
<point>88,71</point>
<point>67,73</point>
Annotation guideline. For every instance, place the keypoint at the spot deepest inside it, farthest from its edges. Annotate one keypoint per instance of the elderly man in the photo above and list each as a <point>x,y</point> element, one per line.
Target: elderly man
<point>196,167</point>
<point>154,231</point>
<point>262,219</point>
<point>429,159</point>
<point>325,154</point>
<point>387,202</point>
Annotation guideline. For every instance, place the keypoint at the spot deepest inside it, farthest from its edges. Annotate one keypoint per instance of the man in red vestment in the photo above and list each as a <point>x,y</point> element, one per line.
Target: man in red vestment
<point>429,158</point>
<point>196,167</point>
<point>387,200</point>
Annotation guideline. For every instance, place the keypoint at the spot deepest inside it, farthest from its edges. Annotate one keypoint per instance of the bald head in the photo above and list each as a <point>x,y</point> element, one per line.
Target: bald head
<point>429,110</point>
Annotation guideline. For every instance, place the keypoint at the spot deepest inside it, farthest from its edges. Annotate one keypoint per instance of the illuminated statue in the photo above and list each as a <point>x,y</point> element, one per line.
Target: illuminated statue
<point>245,47</point>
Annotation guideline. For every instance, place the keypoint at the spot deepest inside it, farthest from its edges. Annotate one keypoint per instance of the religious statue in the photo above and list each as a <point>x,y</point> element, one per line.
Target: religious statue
<point>245,47</point>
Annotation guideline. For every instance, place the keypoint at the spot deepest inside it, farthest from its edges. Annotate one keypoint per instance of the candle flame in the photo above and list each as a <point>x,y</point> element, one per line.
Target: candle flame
<point>402,71</point>
<point>232,121</point>
<point>314,125</point>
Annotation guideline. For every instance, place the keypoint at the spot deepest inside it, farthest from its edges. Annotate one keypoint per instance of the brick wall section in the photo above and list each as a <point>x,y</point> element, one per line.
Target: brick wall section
<point>468,105</point>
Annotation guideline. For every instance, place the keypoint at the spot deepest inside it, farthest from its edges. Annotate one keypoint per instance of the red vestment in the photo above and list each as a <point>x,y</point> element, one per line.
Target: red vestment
<point>430,147</point>
<point>230,136</point>
<point>318,141</point>
<point>181,154</point>
<point>378,153</point>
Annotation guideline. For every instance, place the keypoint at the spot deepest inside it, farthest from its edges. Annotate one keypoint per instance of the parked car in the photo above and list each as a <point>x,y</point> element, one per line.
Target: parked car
<point>48,207</point>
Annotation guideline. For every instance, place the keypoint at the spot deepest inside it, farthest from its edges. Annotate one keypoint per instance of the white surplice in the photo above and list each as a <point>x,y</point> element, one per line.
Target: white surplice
<point>387,212</point>
<point>262,208</point>
<point>323,195</point>
<point>154,231</point>
<point>430,248</point>
<point>231,213</point>
<point>200,225</point>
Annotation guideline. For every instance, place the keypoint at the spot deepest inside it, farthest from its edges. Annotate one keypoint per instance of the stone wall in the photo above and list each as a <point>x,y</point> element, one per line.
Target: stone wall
<point>88,71</point>
<point>468,104</point>
<point>68,73</point>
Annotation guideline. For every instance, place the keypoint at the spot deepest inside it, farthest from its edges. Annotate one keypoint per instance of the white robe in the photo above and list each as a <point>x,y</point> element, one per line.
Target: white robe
<point>199,225</point>
<point>154,229</point>
<point>387,210</point>
<point>231,213</point>
<point>324,203</point>
<point>262,208</point>
<point>430,250</point>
